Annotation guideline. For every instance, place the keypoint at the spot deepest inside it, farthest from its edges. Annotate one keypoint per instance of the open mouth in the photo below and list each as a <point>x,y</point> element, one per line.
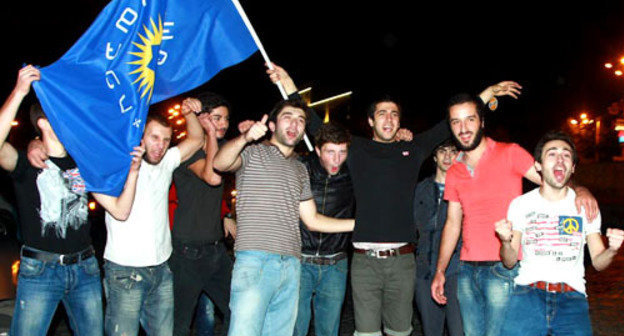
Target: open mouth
<point>559,174</point>
<point>465,137</point>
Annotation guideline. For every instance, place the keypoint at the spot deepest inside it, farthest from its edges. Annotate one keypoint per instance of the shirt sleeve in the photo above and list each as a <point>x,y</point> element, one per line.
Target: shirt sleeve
<point>592,227</point>
<point>171,161</point>
<point>20,166</point>
<point>450,188</point>
<point>514,215</point>
<point>429,139</point>
<point>306,190</point>
<point>521,161</point>
<point>245,154</point>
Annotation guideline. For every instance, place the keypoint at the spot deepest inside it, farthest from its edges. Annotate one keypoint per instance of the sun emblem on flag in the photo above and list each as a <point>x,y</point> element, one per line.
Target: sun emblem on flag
<point>147,55</point>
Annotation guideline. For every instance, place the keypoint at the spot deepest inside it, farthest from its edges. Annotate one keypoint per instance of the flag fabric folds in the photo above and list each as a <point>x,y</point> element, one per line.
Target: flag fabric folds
<point>136,53</point>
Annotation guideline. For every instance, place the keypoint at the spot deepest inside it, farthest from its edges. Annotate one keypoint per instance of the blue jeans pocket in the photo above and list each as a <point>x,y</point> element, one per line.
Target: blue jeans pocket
<point>122,279</point>
<point>90,267</point>
<point>31,267</point>
<point>499,270</point>
<point>247,271</point>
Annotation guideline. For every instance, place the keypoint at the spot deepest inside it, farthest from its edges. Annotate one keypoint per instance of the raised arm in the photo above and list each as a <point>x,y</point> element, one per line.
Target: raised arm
<point>504,88</point>
<point>195,134</point>
<point>203,168</point>
<point>120,207</point>
<point>510,242</point>
<point>228,157</point>
<point>450,236</point>
<point>314,221</point>
<point>8,154</point>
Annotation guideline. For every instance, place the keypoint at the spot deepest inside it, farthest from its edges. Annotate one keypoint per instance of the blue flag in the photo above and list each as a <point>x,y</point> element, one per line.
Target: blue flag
<point>136,53</point>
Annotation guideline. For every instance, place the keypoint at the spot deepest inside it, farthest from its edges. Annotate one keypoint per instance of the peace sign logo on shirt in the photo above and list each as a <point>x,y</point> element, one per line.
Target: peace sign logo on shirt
<point>569,225</point>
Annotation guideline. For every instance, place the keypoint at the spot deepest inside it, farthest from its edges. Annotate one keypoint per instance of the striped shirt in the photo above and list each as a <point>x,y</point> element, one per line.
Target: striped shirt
<point>270,188</point>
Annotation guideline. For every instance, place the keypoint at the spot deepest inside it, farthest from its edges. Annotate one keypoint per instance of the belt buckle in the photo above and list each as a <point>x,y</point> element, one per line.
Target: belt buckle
<point>548,286</point>
<point>375,254</point>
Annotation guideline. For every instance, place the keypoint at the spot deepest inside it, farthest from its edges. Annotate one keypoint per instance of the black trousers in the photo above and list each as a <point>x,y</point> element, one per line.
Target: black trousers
<point>197,268</point>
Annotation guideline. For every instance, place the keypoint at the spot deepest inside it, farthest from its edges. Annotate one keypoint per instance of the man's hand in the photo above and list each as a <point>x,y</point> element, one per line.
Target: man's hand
<point>25,77</point>
<point>503,230</point>
<point>403,134</point>
<point>191,105</point>
<point>507,88</point>
<point>137,157</point>
<point>37,154</point>
<point>437,288</point>
<point>279,75</point>
<point>615,238</point>
<point>229,227</point>
<point>585,199</point>
<point>257,130</point>
<point>244,126</point>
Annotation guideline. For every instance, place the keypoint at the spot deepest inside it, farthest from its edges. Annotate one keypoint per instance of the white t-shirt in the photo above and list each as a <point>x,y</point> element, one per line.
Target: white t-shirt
<point>553,239</point>
<point>144,238</point>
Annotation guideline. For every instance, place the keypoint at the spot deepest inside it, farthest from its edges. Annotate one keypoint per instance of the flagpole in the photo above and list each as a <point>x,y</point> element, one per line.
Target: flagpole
<point>256,39</point>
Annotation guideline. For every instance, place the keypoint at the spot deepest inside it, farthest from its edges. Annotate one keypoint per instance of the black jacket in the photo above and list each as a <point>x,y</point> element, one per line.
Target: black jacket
<point>334,198</point>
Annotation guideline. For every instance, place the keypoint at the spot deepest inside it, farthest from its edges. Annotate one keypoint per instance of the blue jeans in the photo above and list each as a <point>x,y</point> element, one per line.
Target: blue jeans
<point>42,285</point>
<point>265,292</point>
<point>138,295</point>
<point>204,316</point>
<point>537,312</point>
<point>483,293</point>
<point>435,317</point>
<point>328,284</point>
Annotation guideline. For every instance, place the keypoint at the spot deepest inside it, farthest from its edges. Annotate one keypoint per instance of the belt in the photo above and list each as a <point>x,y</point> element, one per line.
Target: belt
<point>560,287</point>
<point>382,254</point>
<point>323,260</point>
<point>480,263</point>
<point>62,259</point>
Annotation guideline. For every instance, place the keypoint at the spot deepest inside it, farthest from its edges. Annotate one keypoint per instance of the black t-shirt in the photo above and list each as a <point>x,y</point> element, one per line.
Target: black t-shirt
<point>52,205</point>
<point>197,218</point>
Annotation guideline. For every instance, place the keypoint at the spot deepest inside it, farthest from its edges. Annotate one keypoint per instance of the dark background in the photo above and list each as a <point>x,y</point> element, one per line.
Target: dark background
<point>421,53</point>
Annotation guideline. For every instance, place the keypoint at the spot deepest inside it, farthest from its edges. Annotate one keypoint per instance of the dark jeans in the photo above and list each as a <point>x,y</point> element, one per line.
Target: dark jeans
<point>435,316</point>
<point>198,268</point>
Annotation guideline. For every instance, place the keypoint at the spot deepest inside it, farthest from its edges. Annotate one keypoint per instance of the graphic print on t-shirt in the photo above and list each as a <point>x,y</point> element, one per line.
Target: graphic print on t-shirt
<point>63,200</point>
<point>559,238</point>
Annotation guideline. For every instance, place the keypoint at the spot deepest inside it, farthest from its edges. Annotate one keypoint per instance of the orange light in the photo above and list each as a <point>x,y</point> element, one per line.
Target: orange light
<point>583,115</point>
<point>591,121</point>
<point>574,122</point>
<point>618,72</point>
<point>171,110</point>
<point>180,121</point>
<point>14,123</point>
<point>171,117</point>
<point>585,121</point>
<point>91,205</point>
<point>14,271</point>
<point>177,107</point>
<point>176,113</point>
<point>234,193</point>
<point>608,65</point>
<point>622,60</point>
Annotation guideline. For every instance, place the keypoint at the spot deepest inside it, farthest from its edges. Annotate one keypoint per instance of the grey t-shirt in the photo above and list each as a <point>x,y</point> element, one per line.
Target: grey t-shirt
<point>270,188</point>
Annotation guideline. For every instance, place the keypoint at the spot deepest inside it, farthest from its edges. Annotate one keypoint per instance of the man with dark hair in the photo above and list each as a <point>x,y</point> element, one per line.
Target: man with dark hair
<point>138,281</point>
<point>57,260</point>
<point>486,176</point>
<point>200,262</point>
<point>273,193</point>
<point>429,217</point>
<point>549,292</point>
<point>324,256</point>
<point>384,172</point>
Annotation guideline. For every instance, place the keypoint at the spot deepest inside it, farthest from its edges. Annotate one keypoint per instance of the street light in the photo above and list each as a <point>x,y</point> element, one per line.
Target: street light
<point>618,72</point>
<point>608,65</point>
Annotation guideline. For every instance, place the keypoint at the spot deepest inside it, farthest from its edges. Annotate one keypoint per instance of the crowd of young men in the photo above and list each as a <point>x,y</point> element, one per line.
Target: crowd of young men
<point>285,267</point>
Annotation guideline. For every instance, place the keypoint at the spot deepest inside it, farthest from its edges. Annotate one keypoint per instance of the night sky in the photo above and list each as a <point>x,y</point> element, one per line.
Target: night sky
<point>420,53</point>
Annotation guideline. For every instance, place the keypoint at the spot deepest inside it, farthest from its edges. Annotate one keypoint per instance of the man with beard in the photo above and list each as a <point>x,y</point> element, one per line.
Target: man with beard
<point>273,193</point>
<point>429,216</point>
<point>549,293</point>
<point>138,282</point>
<point>200,263</point>
<point>486,176</point>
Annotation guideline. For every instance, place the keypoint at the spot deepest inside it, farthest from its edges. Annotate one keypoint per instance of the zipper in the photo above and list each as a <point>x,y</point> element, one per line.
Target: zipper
<point>318,250</point>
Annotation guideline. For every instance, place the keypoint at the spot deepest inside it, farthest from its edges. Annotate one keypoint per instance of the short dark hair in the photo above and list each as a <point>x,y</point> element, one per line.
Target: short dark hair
<point>463,98</point>
<point>211,101</point>
<point>332,133</point>
<point>370,111</point>
<point>294,102</point>
<point>446,143</point>
<point>36,113</point>
<point>159,118</point>
<point>554,135</point>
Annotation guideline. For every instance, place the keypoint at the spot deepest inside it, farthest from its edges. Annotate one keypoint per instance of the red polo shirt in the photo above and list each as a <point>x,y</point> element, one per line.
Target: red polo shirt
<point>485,195</point>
